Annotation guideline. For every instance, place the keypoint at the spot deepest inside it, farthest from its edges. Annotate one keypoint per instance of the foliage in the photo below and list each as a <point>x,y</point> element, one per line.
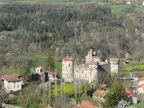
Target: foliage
<point>134,68</point>
<point>50,63</point>
<point>115,94</point>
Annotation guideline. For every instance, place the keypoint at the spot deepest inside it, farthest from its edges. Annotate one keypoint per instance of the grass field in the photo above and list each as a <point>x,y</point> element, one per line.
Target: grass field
<point>134,68</point>
<point>119,9</point>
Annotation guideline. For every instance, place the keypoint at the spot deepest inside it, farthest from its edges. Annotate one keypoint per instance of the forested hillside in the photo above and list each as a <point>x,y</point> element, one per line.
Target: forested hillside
<point>69,30</point>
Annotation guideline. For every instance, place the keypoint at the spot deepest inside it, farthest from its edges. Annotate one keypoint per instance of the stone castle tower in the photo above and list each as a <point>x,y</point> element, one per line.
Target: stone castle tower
<point>68,69</point>
<point>91,71</point>
<point>114,66</point>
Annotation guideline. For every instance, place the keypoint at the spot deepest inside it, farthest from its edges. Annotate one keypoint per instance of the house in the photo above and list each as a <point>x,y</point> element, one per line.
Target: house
<point>133,98</point>
<point>140,88</point>
<point>128,1</point>
<point>99,95</point>
<point>39,69</point>
<point>45,76</point>
<point>85,104</point>
<point>48,106</point>
<point>12,82</point>
<point>48,76</point>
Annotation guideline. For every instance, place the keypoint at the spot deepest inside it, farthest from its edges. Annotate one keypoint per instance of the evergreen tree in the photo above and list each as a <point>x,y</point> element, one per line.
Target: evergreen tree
<point>115,94</point>
<point>50,63</point>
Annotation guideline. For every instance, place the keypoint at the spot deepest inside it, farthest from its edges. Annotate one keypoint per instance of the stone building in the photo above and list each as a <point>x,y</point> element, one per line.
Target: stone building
<point>94,69</point>
<point>45,76</point>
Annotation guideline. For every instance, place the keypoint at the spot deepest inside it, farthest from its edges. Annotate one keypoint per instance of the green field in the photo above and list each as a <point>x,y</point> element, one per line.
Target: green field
<point>119,9</point>
<point>134,68</point>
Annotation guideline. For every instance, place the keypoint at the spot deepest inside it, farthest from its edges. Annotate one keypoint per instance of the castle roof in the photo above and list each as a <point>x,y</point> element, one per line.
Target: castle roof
<point>67,59</point>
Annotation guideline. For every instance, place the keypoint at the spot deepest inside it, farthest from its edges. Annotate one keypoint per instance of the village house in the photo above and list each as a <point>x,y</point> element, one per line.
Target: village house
<point>12,82</point>
<point>128,1</point>
<point>93,70</point>
<point>133,98</point>
<point>48,106</point>
<point>99,95</point>
<point>85,104</point>
<point>46,76</point>
<point>140,88</point>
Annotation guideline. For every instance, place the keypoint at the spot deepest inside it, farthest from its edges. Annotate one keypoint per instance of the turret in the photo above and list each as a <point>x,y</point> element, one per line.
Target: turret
<point>114,66</point>
<point>67,69</point>
<point>89,56</point>
<point>93,73</point>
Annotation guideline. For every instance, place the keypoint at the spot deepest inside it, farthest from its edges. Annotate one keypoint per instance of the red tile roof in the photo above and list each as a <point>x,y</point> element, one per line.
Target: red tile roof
<point>67,59</point>
<point>85,104</point>
<point>48,107</point>
<point>140,86</point>
<point>128,0</point>
<point>142,79</point>
<point>12,78</point>
<point>100,93</point>
<point>129,93</point>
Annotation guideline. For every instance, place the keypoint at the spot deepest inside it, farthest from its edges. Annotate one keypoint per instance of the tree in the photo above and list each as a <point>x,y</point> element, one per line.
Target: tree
<point>50,63</point>
<point>115,94</point>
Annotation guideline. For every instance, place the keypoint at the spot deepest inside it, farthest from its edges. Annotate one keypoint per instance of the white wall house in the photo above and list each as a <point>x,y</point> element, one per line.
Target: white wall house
<point>46,76</point>
<point>39,69</point>
<point>12,82</point>
<point>128,1</point>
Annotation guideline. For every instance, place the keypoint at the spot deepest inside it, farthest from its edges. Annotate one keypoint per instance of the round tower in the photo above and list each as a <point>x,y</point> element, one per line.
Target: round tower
<point>114,66</point>
<point>67,69</point>
<point>93,72</point>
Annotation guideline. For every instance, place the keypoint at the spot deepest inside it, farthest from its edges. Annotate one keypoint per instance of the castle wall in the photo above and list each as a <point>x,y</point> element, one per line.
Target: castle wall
<point>105,67</point>
<point>81,72</point>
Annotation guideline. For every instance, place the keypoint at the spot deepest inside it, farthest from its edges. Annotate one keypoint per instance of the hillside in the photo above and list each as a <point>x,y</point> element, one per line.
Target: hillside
<point>63,30</point>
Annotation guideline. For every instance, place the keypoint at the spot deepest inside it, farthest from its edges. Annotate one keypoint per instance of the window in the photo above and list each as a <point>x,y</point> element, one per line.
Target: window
<point>17,86</point>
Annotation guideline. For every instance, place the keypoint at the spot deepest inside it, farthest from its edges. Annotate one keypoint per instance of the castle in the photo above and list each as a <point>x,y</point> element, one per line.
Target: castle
<point>94,68</point>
